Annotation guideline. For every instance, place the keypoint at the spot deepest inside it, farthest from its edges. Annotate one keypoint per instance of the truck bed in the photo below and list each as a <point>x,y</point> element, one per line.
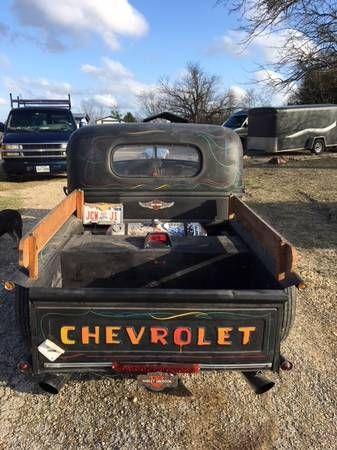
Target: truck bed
<point>195,262</point>
<point>218,301</point>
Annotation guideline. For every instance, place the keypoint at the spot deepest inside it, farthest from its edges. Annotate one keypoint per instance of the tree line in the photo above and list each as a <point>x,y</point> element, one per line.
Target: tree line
<point>196,96</point>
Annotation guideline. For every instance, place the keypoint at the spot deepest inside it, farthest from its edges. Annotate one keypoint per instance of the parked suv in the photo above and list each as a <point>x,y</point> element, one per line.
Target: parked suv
<point>238,122</point>
<point>35,136</point>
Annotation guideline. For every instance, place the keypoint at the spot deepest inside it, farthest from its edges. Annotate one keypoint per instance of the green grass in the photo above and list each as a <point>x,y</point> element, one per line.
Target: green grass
<point>10,202</point>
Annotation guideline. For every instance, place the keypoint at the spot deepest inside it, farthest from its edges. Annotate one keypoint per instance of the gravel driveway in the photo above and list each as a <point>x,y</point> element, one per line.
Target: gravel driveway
<point>299,413</point>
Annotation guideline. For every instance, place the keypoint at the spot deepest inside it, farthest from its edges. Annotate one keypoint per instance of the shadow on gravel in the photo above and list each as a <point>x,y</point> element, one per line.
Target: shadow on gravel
<point>12,348</point>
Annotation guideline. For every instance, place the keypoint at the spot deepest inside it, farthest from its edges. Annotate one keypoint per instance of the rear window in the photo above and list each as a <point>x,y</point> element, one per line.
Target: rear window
<point>156,160</point>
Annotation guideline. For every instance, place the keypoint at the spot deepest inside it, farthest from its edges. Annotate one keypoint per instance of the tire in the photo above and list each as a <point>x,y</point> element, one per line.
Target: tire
<point>289,312</point>
<point>318,146</point>
<point>22,314</point>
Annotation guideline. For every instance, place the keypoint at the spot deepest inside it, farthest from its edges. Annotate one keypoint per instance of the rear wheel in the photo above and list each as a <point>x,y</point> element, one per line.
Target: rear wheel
<point>318,146</point>
<point>289,312</point>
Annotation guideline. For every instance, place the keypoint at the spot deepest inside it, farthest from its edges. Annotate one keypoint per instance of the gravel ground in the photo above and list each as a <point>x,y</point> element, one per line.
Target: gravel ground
<point>300,199</point>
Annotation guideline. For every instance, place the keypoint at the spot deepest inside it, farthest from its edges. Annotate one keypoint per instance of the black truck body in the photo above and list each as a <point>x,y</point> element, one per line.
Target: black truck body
<point>291,128</point>
<point>167,301</point>
<point>35,136</point>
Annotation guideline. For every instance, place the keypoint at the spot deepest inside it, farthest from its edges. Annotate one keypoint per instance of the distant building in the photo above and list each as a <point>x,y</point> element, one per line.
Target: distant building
<point>107,120</point>
<point>81,119</point>
<point>166,116</point>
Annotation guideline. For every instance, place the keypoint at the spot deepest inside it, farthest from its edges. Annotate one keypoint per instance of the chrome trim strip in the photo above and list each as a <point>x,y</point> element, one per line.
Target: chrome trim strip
<point>36,143</point>
<point>42,156</point>
<point>38,149</point>
<point>202,366</point>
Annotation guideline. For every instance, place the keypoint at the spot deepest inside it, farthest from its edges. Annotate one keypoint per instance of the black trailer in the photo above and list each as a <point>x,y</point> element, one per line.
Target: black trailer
<point>153,264</point>
<point>290,128</point>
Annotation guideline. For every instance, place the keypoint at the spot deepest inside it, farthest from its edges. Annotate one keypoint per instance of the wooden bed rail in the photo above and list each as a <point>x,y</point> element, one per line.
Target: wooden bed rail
<point>279,250</point>
<point>33,243</point>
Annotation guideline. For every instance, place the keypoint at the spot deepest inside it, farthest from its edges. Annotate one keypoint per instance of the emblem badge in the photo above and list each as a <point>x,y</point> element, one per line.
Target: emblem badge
<point>158,381</point>
<point>156,204</point>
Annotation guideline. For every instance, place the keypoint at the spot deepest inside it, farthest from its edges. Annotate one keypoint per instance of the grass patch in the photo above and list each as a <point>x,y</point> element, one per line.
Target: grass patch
<point>10,202</point>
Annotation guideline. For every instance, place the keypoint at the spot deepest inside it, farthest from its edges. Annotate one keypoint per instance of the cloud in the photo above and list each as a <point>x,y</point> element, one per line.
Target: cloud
<point>267,79</point>
<point>37,88</point>
<point>64,21</point>
<point>266,48</point>
<point>110,85</point>
<point>105,100</point>
<point>238,93</point>
<point>116,83</point>
<point>267,76</point>
<point>229,44</point>
<point>3,102</point>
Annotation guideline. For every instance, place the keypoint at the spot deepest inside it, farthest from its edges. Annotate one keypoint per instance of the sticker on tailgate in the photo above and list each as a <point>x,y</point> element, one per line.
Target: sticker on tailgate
<point>103,213</point>
<point>50,350</point>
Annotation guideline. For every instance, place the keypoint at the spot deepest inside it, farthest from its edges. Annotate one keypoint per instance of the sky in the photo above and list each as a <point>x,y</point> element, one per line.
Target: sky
<point>109,51</point>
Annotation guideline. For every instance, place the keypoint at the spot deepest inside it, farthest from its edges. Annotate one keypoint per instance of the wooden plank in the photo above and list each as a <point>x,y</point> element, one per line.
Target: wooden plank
<point>79,204</point>
<point>30,246</point>
<point>33,266</point>
<point>278,248</point>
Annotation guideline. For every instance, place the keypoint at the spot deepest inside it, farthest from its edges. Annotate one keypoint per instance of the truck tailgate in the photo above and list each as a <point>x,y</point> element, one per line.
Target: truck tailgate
<point>95,328</point>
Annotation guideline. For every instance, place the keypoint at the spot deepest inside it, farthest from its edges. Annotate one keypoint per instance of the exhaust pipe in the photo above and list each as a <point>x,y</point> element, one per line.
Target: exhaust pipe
<point>259,384</point>
<point>52,383</point>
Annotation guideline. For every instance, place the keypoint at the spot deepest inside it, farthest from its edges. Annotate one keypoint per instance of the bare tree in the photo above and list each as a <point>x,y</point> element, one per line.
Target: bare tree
<point>151,102</point>
<point>94,110</point>
<point>255,97</point>
<point>308,29</point>
<point>196,96</point>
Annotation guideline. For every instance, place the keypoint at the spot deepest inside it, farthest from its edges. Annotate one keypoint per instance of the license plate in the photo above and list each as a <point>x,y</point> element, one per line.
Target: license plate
<point>42,169</point>
<point>103,213</point>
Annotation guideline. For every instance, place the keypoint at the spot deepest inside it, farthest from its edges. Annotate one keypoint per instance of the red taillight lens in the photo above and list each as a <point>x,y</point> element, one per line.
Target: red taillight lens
<point>23,367</point>
<point>157,239</point>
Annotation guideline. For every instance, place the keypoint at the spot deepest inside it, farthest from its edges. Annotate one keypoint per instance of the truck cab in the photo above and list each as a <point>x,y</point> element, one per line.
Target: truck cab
<point>35,136</point>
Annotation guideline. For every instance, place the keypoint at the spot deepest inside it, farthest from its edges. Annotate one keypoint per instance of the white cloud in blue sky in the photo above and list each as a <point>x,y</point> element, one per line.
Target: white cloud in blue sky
<point>117,84</point>
<point>62,21</point>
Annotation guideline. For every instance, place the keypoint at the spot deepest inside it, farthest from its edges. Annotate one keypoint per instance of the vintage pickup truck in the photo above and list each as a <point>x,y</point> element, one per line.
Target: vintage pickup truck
<point>152,265</point>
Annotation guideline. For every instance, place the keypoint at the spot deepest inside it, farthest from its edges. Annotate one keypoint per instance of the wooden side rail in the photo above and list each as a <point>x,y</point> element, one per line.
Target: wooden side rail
<point>33,243</point>
<point>279,250</point>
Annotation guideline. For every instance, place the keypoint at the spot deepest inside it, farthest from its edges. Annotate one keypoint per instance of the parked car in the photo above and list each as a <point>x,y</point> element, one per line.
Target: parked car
<point>35,136</point>
<point>289,128</point>
<point>153,265</point>
<point>238,122</point>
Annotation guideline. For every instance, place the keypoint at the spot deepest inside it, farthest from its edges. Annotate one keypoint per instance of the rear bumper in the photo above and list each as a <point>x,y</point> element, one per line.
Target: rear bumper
<point>18,166</point>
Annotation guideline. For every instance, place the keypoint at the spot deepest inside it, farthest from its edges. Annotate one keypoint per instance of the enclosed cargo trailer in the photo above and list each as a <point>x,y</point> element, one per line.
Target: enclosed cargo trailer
<point>290,128</point>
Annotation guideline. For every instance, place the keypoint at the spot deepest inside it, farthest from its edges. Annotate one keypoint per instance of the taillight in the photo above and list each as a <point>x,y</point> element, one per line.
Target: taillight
<point>157,239</point>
